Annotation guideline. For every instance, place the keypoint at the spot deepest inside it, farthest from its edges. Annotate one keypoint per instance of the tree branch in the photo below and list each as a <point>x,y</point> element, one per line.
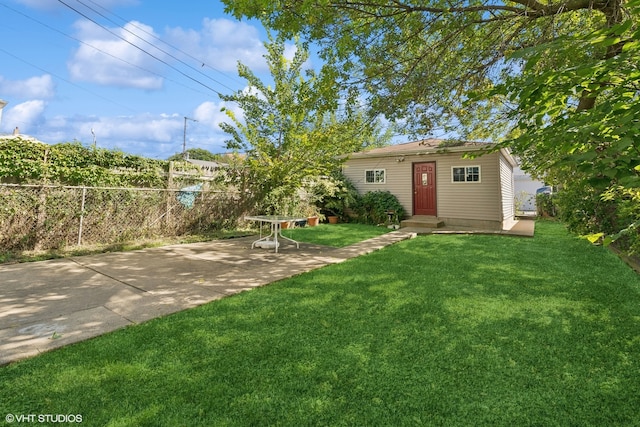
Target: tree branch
<point>530,8</point>
<point>401,8</point>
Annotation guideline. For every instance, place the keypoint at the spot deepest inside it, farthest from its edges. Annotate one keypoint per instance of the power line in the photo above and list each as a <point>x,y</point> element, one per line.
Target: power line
<point>187,54</point>
<point>65,80</point>
<point>98,49</point>
<point>140,49</point>
<point>147,42</point>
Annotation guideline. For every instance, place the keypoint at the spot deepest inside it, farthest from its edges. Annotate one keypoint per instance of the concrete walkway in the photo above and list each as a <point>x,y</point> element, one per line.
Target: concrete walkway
<point>520,228</point>
<point>50,304</point>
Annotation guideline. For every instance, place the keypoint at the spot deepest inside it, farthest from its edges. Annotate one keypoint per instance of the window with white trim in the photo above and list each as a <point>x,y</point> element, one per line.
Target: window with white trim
<point>465,174</point>
<point>374,176</point>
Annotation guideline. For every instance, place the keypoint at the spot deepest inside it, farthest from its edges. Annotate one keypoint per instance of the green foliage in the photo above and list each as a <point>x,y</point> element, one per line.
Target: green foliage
<point>197,154</point>
<point>421,61</point>
<point>581,116</point>
<point>584,211</point>
<point>627,217</point>
<point>22,159</point>
<point>577,123</point>
<point>291,131</point>
<point>71,163</point>
<point>545,205</point>
<point>334,195</point>
<point>372,207</point>
<point>609,216</point>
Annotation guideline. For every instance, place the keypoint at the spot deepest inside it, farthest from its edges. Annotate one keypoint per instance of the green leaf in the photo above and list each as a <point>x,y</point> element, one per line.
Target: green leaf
<point>595,237</point>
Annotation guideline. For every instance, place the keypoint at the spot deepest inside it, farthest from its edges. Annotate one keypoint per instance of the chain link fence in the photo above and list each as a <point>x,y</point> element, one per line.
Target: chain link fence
<point>40,217</point>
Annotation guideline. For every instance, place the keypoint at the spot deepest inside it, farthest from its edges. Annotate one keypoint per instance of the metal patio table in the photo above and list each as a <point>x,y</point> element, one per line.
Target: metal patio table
<point>276,222</point>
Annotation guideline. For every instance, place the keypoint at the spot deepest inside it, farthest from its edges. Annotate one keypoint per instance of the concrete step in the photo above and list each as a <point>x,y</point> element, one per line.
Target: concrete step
<point>422,221</point>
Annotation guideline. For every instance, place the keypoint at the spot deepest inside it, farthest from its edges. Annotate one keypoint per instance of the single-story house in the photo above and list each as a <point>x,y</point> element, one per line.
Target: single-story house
<point>434,178</point>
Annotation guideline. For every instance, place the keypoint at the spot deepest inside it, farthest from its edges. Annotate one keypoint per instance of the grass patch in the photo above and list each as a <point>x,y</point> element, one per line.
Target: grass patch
<point>335,235</point>
<point>451,330</point>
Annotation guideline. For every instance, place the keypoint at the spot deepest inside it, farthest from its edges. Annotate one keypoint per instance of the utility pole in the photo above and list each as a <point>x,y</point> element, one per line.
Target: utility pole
<point>94,139</point>
<point>184,138</point>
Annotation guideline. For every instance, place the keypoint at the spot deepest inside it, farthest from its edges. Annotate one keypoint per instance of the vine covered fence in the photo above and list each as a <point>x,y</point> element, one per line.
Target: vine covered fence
<point>40,217</point>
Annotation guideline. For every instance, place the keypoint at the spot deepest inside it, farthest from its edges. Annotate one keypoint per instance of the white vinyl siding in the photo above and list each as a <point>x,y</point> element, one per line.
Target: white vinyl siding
<point>507,189</point>
<point>398,178</point>
<point>479,201</point>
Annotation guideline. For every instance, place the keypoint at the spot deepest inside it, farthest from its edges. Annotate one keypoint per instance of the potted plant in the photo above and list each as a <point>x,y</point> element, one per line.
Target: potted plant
<point>338,195</point>
<point>313,215</point>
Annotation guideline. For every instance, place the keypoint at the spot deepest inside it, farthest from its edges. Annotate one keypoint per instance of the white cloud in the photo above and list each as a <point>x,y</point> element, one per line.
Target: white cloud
<point>25,116</point>
<point>55,4</point>
<point>116,61</point>
<point>35,87</point>
<point>150,135</point>
<point>144,127</point>
<point>290,52</point>
<point>211,114</point>
<point>106,59</point>
<point>221,43</point>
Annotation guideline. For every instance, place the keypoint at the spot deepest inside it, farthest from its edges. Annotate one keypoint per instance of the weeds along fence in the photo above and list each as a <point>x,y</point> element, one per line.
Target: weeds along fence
<point>38,217</point>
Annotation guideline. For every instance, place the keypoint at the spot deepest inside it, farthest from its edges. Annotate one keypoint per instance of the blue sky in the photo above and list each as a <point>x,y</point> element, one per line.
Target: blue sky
<point>131,70</point>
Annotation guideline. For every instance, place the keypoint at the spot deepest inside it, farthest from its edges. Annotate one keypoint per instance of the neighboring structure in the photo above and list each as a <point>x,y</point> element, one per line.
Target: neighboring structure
<point>525,188</point>
<point>191,171</point>
<point>17,135</point>
<point>433,178</point>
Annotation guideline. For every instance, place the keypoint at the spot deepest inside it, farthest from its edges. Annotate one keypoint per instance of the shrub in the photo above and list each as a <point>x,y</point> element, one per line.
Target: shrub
<point>614,213</point>
<point>584,211</point>
<point>372,207</point>
<point>334,195</point>
<point>545,205</point>
<point>627,217</point>
<point>70,163</point>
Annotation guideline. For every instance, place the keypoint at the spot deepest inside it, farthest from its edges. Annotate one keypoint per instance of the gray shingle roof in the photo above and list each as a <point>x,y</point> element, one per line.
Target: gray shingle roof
<point>423,146</point>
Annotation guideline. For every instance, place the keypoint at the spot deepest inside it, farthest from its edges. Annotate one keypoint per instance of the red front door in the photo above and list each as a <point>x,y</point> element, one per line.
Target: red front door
<point>424,189</point>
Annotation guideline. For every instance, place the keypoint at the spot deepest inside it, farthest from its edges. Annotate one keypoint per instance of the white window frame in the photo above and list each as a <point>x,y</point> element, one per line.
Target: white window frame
<point>376,176</point>
<point>466,174</point>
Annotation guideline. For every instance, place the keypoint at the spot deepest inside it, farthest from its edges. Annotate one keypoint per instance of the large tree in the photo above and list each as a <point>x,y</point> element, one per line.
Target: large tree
<point>483,67</point>
<point>556,80</point>
<point>295,127</point>
<point>197,154</point>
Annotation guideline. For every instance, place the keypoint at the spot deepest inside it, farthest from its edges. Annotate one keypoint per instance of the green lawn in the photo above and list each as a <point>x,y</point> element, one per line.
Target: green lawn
<point>336,235</point>
<point>445,330</point>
